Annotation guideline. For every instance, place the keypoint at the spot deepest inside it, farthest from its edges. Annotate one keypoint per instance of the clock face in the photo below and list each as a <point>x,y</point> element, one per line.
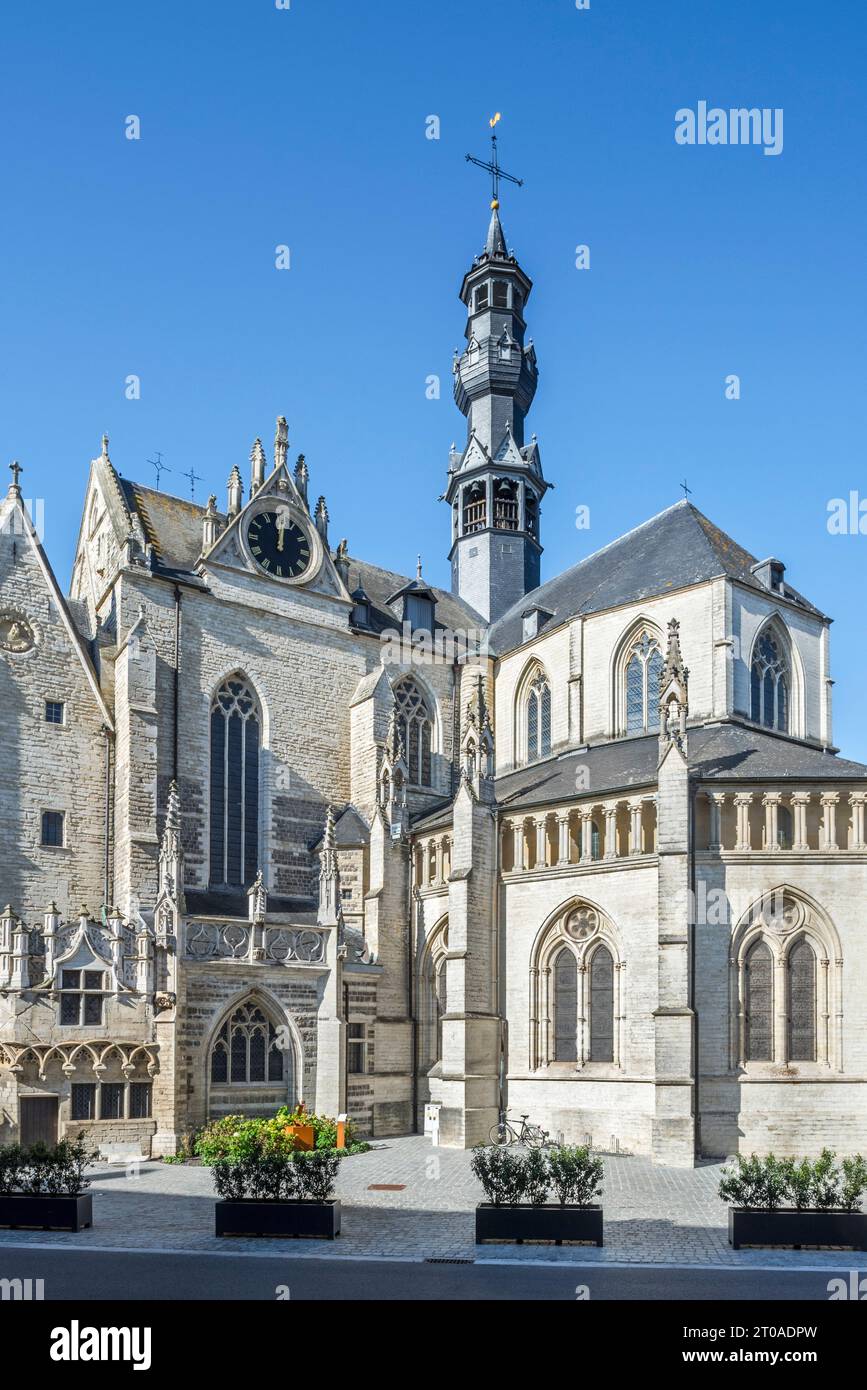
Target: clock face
<point>278,544</point>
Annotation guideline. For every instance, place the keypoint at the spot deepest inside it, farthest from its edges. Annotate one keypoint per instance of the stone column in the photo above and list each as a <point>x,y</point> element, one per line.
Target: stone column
<point>856,801</point>
<point>716,804</point>
<point>541,845</point>
<point>634,825</point>
<point>50,928</point>
<point>829,820</point>
<point>743,801</point>
<point>563,839</point>
<point>771,803</point>
<point>438,872</point>
<point>586,836</point>
<point>518,857</point>
<point>611,831</point>
<point>800,802</point>
<point>781,1041</point>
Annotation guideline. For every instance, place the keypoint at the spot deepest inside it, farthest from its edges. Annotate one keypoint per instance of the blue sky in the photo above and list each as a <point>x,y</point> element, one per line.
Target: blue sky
<point>306,127</point>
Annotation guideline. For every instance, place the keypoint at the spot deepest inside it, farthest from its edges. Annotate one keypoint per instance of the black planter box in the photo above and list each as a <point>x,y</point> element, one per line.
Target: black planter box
<point>47,1213</point>
<point>788,1226</point>
<point>548,1222</point>
<point>253,1218</point>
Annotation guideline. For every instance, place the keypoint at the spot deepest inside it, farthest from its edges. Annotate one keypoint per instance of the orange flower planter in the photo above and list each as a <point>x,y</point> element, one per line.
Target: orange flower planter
<point>303,1136</point>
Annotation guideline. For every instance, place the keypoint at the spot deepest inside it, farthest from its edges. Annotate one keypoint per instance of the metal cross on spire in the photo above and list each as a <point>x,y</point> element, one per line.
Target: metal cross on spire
<point>194,478</point>
<point>493,166</point>
<point>687,491</point>
<point>160,467</point>
<point>16,470</point>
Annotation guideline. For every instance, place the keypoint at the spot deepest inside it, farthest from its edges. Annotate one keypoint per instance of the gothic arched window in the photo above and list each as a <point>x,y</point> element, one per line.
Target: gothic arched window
<point>416,726</point>
<point>235,739</point>
<point>643,671</point>
<point>759,1039</point>
<point>245,1050</point>
<point>769,683</point>
<point>801,981</point>
<point>565,1006</point>
<point>538,718</point>
<point>602,1006</point>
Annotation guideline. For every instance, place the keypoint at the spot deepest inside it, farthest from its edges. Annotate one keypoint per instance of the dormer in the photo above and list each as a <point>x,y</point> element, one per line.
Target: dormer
<point>416,604</point>
<point>770,572</point>
<point>534,619</point>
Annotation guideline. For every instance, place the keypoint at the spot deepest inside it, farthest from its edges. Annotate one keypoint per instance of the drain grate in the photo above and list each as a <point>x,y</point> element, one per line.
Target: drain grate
<point>448,1260</point>
<point>386,1187</point>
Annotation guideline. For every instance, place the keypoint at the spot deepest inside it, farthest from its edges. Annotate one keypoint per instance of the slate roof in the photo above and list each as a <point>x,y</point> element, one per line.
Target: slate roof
<point>350,830</point>
<point>722,752</point>
<point>174,528</point>
<point>172,525</point>
<point>678,547</point>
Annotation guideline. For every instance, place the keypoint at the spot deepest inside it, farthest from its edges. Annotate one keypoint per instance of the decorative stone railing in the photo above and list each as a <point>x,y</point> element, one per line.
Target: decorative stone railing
<point>432,862</point>
<point>206,941</point>
<point>773,821</point>
<point>81,1056</point>
<point>580,835</point>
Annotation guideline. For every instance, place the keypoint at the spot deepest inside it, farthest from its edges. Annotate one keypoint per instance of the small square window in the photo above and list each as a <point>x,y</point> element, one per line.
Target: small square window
<point>83,1101</point>
<point>55,712</point>
<point>140,1100</point>
<point>111,1100</point>
<point>70,979</point>
<point>93,979</point>
<point>52,828</point>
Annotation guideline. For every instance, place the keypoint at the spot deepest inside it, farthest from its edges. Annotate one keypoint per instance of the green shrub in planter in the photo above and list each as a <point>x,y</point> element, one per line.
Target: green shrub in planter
<point>316,1174</point>
<point>575,1175</point>
<point>503,1175</point>
<point>538,1177</point>
<point>12,1164</point>
<point>853,1183</point>
<point>754,1182</point>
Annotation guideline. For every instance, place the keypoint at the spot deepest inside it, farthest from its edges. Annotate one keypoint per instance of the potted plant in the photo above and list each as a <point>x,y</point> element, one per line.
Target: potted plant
<point>787,1202</point>
<point>298,1126</point>
<point>517,1187</point>
<point>46,1186</point>
<point>277,1191</point>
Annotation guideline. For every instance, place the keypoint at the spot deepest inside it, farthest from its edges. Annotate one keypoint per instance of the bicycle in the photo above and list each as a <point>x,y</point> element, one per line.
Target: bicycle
<point>504,1133</point>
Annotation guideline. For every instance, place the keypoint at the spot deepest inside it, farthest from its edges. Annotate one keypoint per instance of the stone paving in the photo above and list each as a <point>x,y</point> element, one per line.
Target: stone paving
<point>653,1215</point>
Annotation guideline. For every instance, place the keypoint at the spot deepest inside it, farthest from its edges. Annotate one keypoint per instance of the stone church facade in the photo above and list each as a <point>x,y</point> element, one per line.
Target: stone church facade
<point>281,825</point>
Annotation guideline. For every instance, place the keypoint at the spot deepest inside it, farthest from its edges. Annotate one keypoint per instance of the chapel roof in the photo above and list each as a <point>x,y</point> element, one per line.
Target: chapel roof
<point>672,550</point>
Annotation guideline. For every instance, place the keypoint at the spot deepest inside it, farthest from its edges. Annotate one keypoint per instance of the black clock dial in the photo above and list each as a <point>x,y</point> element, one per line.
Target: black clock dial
<point>278,544</point>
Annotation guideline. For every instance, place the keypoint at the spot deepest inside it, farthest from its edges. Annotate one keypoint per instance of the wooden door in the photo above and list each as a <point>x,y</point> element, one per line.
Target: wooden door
<point>38,1119</point>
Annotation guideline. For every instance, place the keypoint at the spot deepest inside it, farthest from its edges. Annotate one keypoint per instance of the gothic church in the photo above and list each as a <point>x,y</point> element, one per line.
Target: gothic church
<point>594,858</point>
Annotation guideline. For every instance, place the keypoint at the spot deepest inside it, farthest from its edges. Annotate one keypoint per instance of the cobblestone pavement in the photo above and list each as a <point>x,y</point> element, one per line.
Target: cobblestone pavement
<point>653,1215</point>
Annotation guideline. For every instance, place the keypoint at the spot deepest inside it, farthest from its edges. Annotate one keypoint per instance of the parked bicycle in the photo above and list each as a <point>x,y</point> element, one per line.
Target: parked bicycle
<point>506,1132</point>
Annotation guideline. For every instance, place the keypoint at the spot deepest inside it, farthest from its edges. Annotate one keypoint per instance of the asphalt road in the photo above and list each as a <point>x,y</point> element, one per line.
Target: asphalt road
<point>107,1275</point>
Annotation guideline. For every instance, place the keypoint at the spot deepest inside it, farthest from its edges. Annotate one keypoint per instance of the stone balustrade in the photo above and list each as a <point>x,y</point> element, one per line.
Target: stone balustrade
<point>583,834</point>
<point>800,821</point>
<point>432,861</point>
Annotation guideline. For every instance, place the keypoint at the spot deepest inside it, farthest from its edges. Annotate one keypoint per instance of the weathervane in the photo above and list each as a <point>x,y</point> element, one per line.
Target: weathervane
<point>493,166</point>
<point>160,467</point>
<point>194,478</point>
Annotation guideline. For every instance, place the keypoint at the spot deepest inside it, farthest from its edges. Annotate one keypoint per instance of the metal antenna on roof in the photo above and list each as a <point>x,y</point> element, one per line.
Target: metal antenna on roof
<point>194,478</point>
<point>160,467</point>
<point>687,491</point>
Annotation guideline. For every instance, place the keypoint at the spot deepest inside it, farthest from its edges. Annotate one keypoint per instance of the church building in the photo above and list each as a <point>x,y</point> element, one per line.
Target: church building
<point>281,825</point>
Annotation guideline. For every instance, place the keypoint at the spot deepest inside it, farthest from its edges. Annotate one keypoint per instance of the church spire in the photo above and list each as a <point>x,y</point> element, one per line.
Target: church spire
<point>495,484</point>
